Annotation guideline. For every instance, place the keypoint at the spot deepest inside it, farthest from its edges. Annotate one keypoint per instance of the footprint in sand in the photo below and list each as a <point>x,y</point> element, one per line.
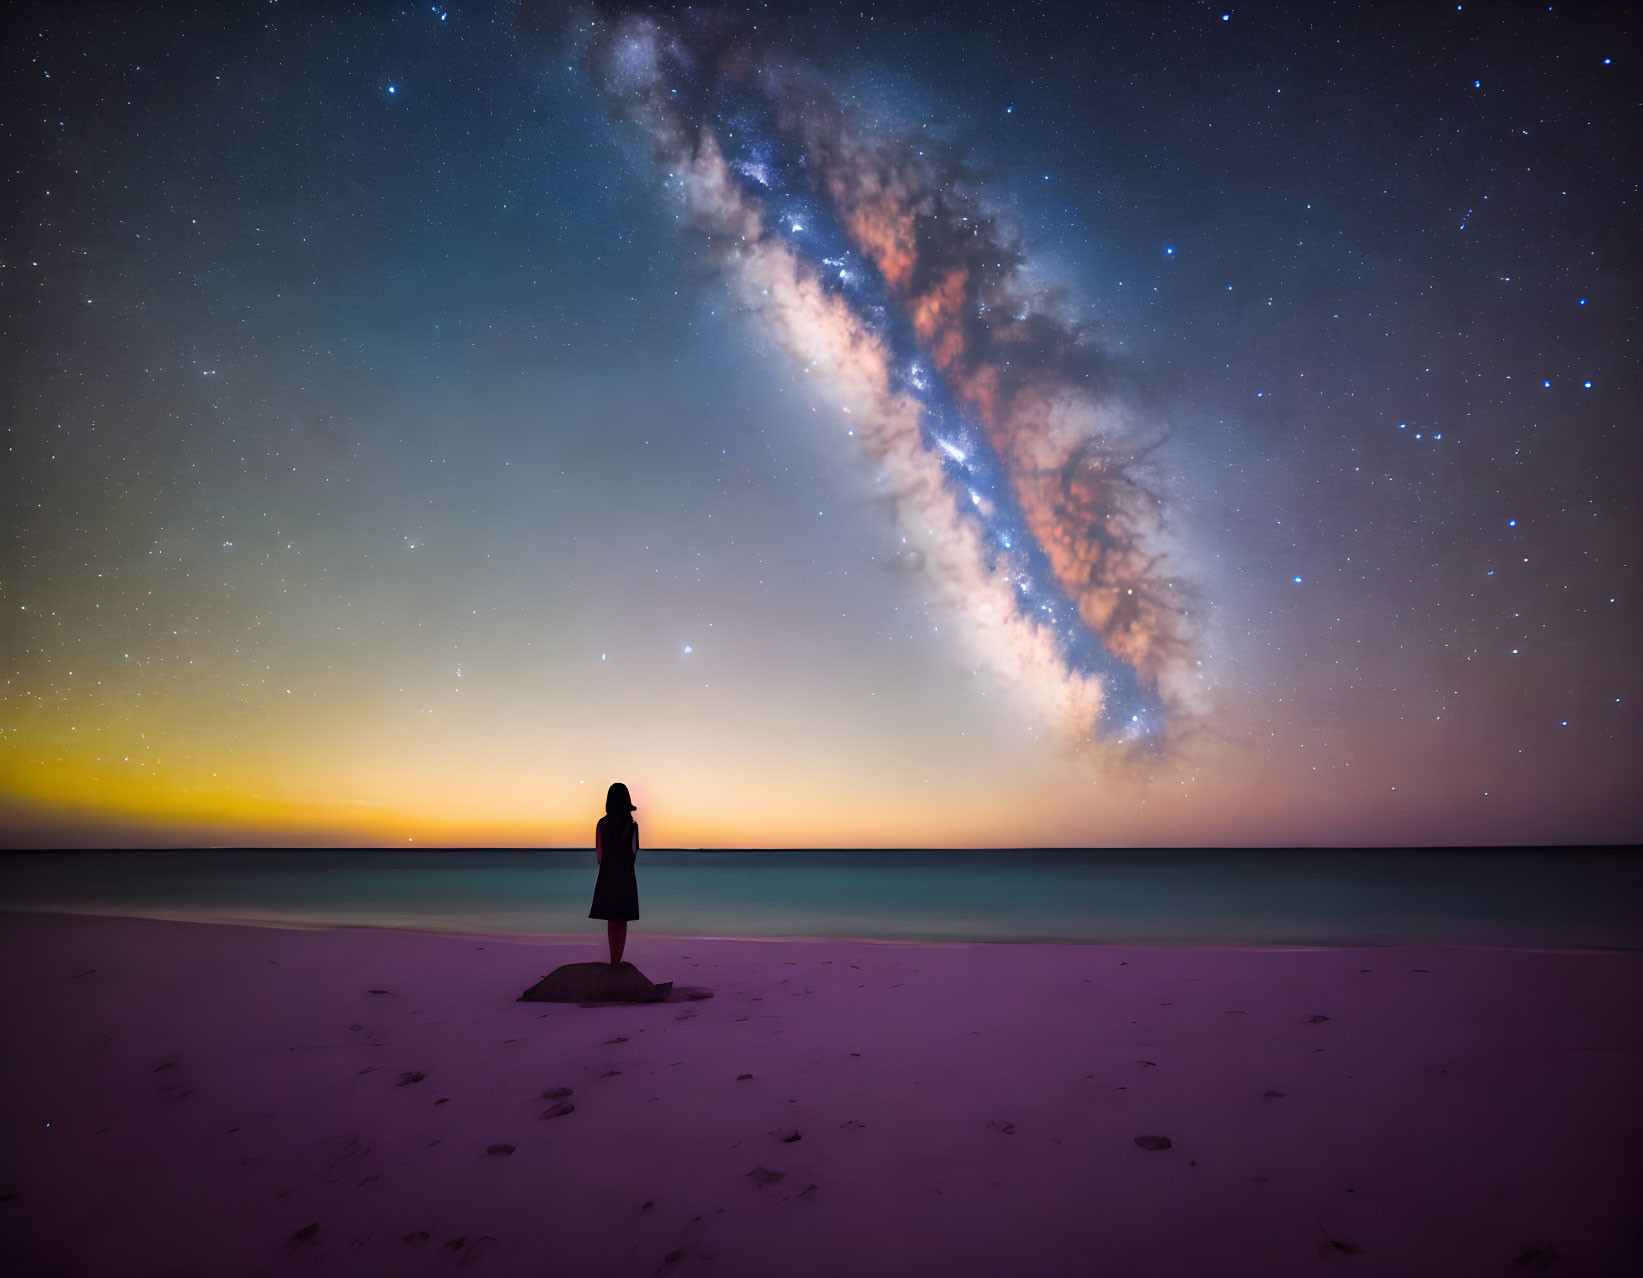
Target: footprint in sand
<point>500,1151</point>
<point>1153,1142</point>
<point>1535,1261</point>
<point>558,1111</point>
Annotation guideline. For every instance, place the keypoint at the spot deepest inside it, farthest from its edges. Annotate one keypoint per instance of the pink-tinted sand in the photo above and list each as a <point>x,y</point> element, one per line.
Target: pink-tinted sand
<point>185,1098</point>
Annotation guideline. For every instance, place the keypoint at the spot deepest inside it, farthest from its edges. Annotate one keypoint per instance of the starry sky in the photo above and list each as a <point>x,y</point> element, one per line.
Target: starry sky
<point>921,425</point>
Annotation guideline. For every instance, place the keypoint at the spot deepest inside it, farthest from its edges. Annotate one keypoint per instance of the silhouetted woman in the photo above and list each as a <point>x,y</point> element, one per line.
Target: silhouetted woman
<point>616,847</point>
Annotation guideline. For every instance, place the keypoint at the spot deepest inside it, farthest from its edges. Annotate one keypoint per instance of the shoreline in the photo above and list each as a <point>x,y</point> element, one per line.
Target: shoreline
<point>225,1098</point>
<point>596,938</point>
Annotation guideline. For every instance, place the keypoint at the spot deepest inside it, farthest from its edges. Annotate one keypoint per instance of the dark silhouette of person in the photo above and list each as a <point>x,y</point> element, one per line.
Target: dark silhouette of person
<point>616,848</point>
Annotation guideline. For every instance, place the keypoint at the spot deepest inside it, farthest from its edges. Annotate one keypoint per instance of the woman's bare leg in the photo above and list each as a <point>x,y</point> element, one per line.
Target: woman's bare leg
<point>617,930</point>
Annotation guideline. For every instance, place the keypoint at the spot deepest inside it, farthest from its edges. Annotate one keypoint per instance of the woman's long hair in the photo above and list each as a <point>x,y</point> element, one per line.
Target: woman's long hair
<point>618,803</point>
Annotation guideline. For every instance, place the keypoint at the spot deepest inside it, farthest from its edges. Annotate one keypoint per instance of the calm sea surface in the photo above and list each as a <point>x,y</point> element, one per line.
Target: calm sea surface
<point>1517,897</point>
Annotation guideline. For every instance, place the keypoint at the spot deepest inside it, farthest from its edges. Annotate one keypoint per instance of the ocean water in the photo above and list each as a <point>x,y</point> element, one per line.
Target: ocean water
<point>1549,898</point>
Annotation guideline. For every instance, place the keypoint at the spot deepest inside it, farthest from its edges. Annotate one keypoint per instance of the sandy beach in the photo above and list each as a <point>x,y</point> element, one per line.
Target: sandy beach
<point>205,1099</point>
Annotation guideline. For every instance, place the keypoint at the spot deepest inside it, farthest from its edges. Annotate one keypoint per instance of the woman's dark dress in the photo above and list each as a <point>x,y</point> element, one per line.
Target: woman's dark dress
<point>616,893</point>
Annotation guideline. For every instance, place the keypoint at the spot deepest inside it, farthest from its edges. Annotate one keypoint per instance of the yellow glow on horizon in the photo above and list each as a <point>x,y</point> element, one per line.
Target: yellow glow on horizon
<point>711,773</point>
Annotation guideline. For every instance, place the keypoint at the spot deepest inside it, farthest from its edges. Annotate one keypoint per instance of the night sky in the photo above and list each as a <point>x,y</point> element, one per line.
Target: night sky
<point>922,425</point>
